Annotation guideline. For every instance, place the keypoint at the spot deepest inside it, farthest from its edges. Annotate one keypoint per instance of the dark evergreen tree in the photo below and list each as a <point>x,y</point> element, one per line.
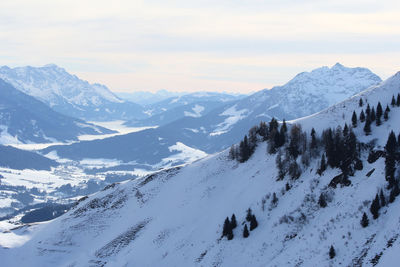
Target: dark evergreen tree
<point>373,114</point>
<point>232,152</point>
<point>227,229</point>
<point>390,160</point>
<point>345,130</point>
<point>249,215</point>
<point>368,111</point>
<point>263,130</point>
<point>332,252</point>
<point>314,142</point>
<point>233,221</point>
<point>294,143</point>
<point>398,100</point>
<point>322,165</point>
<point>367,126</point>
<point>375,206</point>
<point>245,231</point>
<point>282,135</point>
<point>253,223</point>
<point>329,147</point>
<point>354,119</point>
<point>322,201</point>
<point>274,200</point>
<point>362,116</point>
<point>364,220</point>
<point>382,199</point>
<point>386,113</point>
<point>393,103</point>
<point>244,150</point>
<point>360,103</point>
<point>287,187</point>
<point>379,113</point>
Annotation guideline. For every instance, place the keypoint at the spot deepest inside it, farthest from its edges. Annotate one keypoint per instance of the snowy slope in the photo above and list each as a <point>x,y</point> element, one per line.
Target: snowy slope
<point>23,119</point>
<point>175,217</point>
<point>70,95</point>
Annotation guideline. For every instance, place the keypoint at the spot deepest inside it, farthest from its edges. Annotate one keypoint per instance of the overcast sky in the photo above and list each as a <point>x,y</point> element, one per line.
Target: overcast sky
<point>183,45</point>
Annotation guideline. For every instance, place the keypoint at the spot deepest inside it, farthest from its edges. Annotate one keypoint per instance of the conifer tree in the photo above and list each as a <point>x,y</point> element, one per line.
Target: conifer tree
<point>226,230</point>
<point>368,111</point>
<point>322,201</point>
<point>332,252</point>
<point>274,200</point>
<point>398,100</point>
<point>360,103</point>
<point>249,215</point>
<point>386,113</point>
<point>253,223</point>
<point>354,119</point>
<point>245,231</point>
<point>287,187</point>
<point>373,114</point>
<point>362,116</point>
<point>382,199</point>
<point>379,111</point>
<point>232,152</point>
<point>364,220</point>
<point>345,130</point>
<point>390,160</point>
<point>392,195</point>
<point>313,144</point>
<point>375,206</point>
<point>367,126</point>
<point>322,166</point>
<point>233,221</point>
<point>393,103</point>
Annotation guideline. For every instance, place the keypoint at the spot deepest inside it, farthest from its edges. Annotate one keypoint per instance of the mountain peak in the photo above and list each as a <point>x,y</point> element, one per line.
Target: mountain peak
<point>338,66</point>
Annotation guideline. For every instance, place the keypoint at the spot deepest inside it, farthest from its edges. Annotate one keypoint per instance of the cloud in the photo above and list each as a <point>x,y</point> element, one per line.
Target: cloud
<point>204,44</point>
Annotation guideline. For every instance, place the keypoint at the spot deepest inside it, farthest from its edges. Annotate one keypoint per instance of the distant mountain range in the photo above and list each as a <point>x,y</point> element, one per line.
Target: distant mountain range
<point>305,94</point>
<point>27,120</point>
<point>190,105</point>
<point>67,94</point>
<point>145,98</point>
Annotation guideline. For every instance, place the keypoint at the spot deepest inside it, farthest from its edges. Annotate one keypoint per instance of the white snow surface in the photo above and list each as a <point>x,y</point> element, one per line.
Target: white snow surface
<point>233,116</point>
<point>197,109</point>
<point>175,217</point>
<point>52,84</point>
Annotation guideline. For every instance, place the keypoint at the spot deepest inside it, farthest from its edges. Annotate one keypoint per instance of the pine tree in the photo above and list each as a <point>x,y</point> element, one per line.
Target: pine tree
<point>226,230</point>
<point>367,126</point>
<point>390,160</point>
<point>362,116</point>
<point>375,207</point>
<point>249,215</point>
<point>245,231</point>
<point>345,130</point>
<point>253,223</point>
<point>360,103</point>
<point>368,111</point>
<point>313,144</point>
<point>386,113</point>
<point>322,166</point>
<point>274,200</point>
<point>233,221</point>
<point>287,187</point>
<point>398,100</point>
<point>382,199</point>
<point>393,103</point>
<point>373,114</point>
<point>332,252</point>
<point>392,195</point>
<point>232,152</point>
<point>364,220</point>
<point>379,113</point>
<point>322,201</point>
<point>354,119</point>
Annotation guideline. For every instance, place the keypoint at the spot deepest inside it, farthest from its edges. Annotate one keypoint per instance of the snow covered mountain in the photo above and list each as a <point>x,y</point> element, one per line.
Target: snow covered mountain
<point>190,105</point>
<point>301,213</point>
<point>217,129</point>
<point>27,120</point>
<point>145,98</point>
<point>70,95</point>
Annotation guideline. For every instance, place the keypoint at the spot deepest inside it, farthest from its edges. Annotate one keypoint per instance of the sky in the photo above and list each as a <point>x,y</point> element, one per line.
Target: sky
<point>208,45</point>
